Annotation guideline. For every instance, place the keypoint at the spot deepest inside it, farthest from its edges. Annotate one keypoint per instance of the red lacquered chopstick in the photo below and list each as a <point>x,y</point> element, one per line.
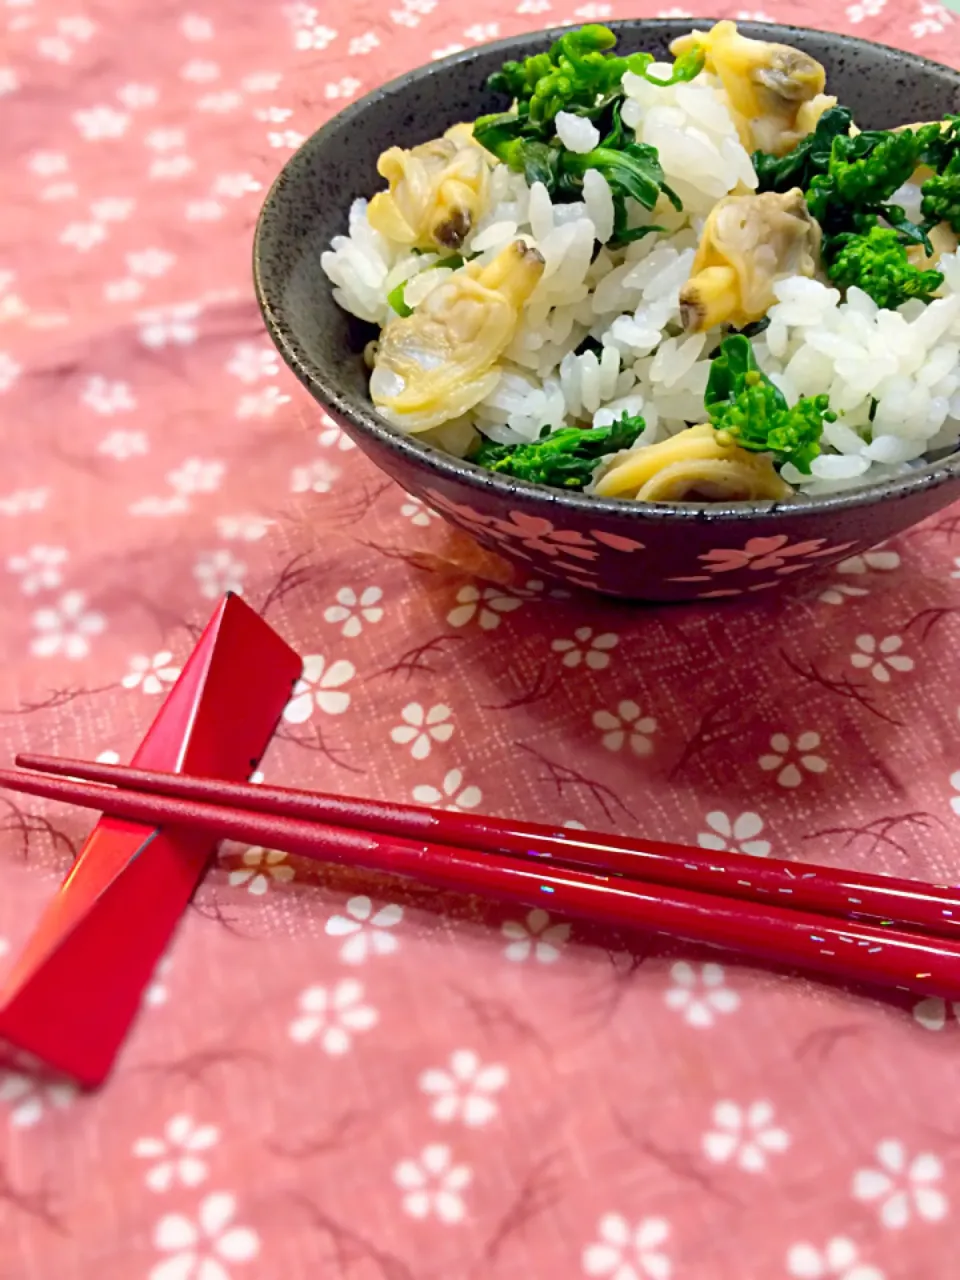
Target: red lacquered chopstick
<point>858,952</point>
<point>850,895</point>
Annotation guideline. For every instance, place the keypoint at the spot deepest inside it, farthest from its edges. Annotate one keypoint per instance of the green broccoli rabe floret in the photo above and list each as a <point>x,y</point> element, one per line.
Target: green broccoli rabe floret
<point>563,459</point>
<point>877,263</point>
<point>811,155</point>
<point>744,404</point>
<point>863,173</point>
<point>941,195</point>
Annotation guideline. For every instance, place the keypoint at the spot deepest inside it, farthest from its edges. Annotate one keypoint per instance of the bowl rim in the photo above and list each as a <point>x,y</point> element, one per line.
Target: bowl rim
<point>446,467</point>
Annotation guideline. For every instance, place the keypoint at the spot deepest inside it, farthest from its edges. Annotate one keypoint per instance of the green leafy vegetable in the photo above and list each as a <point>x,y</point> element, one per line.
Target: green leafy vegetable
<point>811,155</point>
<point>563,459</point>
<point>877,263</point>
<point>941,195</point>
<point>743,403</point>
<point>863,173</point>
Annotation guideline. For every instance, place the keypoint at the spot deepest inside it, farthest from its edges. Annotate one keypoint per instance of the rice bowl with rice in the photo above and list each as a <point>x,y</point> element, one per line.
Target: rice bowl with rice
<point>537,318</point>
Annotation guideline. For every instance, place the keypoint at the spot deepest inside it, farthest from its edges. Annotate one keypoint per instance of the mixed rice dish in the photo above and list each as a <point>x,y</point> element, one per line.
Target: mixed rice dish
<point>692,282</point>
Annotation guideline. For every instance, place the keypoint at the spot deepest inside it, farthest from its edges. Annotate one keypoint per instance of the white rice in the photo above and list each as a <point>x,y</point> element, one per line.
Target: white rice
<point>601,334</point>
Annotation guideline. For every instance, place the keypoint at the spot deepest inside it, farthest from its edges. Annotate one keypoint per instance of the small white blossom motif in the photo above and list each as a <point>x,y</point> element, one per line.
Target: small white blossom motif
<point>83,236</point>
<point>533,6</point>
<point>124,444</point>
<point>66,628</point>
<point>446,50</point>
<point>745,1135</point>
<point>217,572</point>
<point>112,208</point>
<point>136,96</point>
<point>177,1153</point>
<point>353,610</point>
<point>195,28</point>
<point>9,371</point>
<point>273,115</point>
<point>27,1098</point>
<point>332,1016</point>
<point>417,513</point>
<point>264,404</point>
<point>421,728</point>
<point>464,1090</point>
<point>481,31</point>
<point>363,44</point>
<point>250,362</point>
<point>432,1184</point>
<point>626,725</point>
<point>738,836</point>
<point>452,795</point>
<point>881,656</point>
<point>165,139</point>
<point>47,164</point>
<point>313,37</point>
<point>320,686</point>
<point>21,500</point>
<point>342,89</point>
<point>367,932</point>
<point>125,290</point>
<point>101,122</point>
<point>200,71</point>
<point>152,675</point>
<point>196,475</point>
<point>204,211</point>
<point>333,437</point>
<point>108,398</point>
<point>587,647</point>
<point>260,868</point>
<point>171,505</point>
<point>289,139</point>
<point>790,771</point>
<point>838,592</point>
<point>198,1250</point>
<point>629,1253</point>
<point>934,18</point>
<point>594,12</point>
<point>166,326</point>
<point>856,13</point>
<point>700,993</point>
<point>902,1186</point>
<point>932,1013</point>
<point>171,166</point>
<point>261,82</point>
<point>245,528</point>
<point>839,1260</point>
<point>535,937</point>
<point>318,477</point>
<point>39,568</point>
<point>235,185</point>
<point>9,81</point>
<point>879,559</point>
<point>486,604</point>
<point>150,262</point>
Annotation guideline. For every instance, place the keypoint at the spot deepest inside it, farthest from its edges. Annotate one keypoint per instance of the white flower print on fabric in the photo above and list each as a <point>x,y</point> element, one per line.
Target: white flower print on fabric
<point>738,836</point>
<point>353,610</point>
<point>172,505</point>
<point>47,164</point>
<point>932,1012</point>
<point>421,728</point>
<point>250,362</point>
<point>22,500</point>
<point>217,572</point>
<point>196,475</point>
<point>205,211</point>
<point>535,938</point>
<point>839,1260</point>
<point>165,326</point>
<point>235,185</point>
<point>165,139</point>
<point>26,1098</point>
<point>482,31</point>
<point>260,868</point>
<point>287,138</point>
<point>333,1016</point>
<point>342,89</point>
<point>124,444</point>
<point>245,528</point>
<point>746,1135</point>
<point>137,96</point>
<point>626,725</point>
<point>452,791</point>
<point>317,37</point>
<point>125,290</point>
<point>273,115</point>
<point>151,674</point>
<point>934,18</point>
<point>151,263</point>
<point>486,604</point>
<point>332,436</point>
<point>198,1250</point>
<point>432,1183</point>
<point>838,592</point>
<point>108,398</point>
<point>446,50</point>
<point>66,628</point>
<point>317,477</point>
<point>857,13</point>
<point>200,71</point>
<point>464,1090</point>
<point>97,123</point>
<point>595,12</point>
<point>629,1253</point>
<point>112,208</point>
<point>176,1153</point>
<point>39,568</point>
<point>264,404</point>
<point>261,82</point>
<point>365,43</point>
<point>901,1187</point>
<point>700,993</point>
<point>9,81</point>
<point>881,656</point>
<point>171,166</point>
<point>417,513</point>
<point>196,28</point>
<point>587,647</point>
<point>367,932</point>
<point>790,772</point>
<point>320,686</point>
<point>83,236</point>
<point>9,371</point>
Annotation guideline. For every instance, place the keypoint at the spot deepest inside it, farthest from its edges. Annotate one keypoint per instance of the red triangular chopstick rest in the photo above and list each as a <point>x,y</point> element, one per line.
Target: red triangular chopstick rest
<point>74,990</point>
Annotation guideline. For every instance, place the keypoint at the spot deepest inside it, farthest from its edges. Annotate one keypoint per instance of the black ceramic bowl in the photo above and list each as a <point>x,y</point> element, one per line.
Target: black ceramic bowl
<point>634,550</point>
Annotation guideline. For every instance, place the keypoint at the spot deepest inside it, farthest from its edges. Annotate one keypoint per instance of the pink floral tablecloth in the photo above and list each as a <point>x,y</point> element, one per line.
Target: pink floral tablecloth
<point>331,1076</point>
